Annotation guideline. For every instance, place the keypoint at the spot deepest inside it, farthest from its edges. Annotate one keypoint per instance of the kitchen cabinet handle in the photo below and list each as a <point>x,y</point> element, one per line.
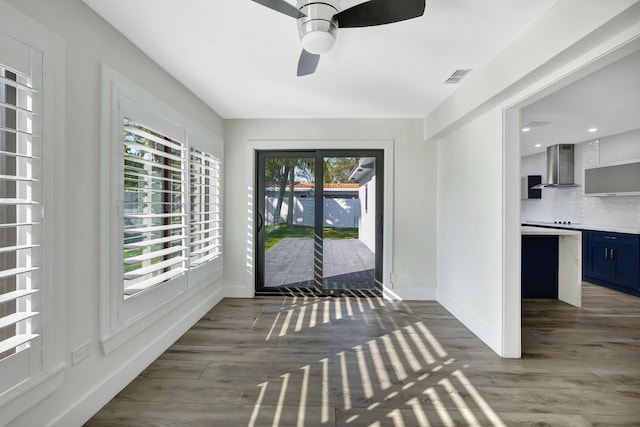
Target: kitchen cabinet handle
<point>606,252</point>
<point>611,253</point>
<point>610,237</point>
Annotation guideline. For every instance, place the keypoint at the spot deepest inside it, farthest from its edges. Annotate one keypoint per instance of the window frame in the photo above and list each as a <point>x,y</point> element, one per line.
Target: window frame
<point>122,318</point>
<point>51,47</point>
<point>27,202</point>
<point>129,308</point>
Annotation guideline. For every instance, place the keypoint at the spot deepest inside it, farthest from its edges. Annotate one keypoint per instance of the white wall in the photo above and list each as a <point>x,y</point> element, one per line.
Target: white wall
<point>410,241</point>
<point>478,159</point>
<point>569,204</point>
<point>90,41</point>
<point>338,212</point>
<point>470,224</point>
<point>367,220</point>
<point>619,148</point>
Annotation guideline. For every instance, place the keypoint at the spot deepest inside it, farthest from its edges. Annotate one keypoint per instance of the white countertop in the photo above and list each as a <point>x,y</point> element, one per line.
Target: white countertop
<point>540,231</point>
<point>592,227</point>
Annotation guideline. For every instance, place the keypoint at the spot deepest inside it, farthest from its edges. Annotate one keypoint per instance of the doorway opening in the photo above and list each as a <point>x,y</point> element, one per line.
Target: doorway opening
<point>520,120</point>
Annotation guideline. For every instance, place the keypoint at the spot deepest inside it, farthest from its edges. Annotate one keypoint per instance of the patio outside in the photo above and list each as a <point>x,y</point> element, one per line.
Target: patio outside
<point>293,254</point>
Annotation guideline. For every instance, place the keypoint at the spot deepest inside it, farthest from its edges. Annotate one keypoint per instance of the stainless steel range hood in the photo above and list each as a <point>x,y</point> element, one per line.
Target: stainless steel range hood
<point>560,166</point>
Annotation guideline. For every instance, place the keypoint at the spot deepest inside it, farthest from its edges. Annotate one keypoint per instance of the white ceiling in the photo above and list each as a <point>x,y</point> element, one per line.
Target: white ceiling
<point>608,100</point>
<point>241,58</point>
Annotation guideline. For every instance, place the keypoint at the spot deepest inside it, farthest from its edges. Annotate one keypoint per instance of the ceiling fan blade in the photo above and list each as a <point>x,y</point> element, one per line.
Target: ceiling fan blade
<point>282,7</point>
<point>380,12</point>
<point>307,63</point>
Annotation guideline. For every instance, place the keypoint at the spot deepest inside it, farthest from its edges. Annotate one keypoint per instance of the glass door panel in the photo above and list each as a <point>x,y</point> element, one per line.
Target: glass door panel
<point>288,217</point>
<point>349,235</point>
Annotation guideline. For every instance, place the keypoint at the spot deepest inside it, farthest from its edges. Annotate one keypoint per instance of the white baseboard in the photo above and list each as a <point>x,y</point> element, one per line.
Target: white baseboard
<point>239,292</point>
<point>489,336</point>
<point>410,294</point>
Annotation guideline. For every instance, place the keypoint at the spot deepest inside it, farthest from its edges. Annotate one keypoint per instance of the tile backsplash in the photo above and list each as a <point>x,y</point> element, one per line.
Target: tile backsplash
<point>569,204</point>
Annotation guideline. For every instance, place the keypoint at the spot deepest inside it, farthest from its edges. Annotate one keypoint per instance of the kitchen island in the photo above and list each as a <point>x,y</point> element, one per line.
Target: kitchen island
<point>552,264</point>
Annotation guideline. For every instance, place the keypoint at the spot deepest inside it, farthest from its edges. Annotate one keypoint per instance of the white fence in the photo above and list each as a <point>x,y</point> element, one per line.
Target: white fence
<point>337,212</point>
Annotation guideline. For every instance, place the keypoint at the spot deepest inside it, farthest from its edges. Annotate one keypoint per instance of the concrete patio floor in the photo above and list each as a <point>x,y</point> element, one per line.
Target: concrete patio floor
<point>347,264</point>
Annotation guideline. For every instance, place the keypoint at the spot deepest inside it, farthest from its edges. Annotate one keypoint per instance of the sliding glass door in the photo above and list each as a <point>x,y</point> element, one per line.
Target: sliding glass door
<point>319,221</point>
<point>286,220</point>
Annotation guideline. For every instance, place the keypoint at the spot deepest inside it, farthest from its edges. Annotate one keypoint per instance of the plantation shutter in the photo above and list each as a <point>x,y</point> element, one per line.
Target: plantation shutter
<point>154,208</point>
<point>20,216</point>
<point>206,213</point>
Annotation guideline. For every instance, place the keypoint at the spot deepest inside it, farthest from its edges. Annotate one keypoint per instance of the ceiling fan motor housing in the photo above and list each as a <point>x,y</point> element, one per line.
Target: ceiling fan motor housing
<point>318,29</point>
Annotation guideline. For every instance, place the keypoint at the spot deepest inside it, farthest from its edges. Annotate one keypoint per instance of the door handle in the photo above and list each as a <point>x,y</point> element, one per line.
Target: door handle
<point>611,253</point>
<point>606,252</point>
<point>260,222</point>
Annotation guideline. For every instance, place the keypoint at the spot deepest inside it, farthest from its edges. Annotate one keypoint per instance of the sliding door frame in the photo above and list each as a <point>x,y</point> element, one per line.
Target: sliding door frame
<point>259,221</point>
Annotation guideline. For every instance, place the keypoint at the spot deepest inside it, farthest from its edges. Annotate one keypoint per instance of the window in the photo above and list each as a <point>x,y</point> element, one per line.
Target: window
<point>162,197</point>
<point>20,226</point>
<point>32,274</point>
<point>153,207</point>
<point>206,213</point>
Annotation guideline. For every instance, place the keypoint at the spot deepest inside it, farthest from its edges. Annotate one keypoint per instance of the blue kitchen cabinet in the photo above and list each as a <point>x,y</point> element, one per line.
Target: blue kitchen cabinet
<point>532,181</point>
<point>613,260</point>
<point>539,267</point>
<point>624,269</point>
<point>599,264</point>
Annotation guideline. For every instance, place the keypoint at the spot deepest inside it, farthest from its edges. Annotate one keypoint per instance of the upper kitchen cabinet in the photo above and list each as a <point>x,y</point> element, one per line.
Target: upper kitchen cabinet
<point>615,180</point>
<point>527,190</point>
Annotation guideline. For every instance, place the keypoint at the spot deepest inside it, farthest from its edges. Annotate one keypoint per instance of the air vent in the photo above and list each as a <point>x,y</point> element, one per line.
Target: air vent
<point>456,76</point>
<point>536,124</point>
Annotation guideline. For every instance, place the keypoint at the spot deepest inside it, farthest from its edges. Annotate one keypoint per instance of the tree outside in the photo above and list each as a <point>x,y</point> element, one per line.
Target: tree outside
<point>283,175</point>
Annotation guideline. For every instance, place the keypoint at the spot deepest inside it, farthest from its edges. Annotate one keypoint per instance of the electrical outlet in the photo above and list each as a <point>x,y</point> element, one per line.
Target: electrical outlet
<point>80,353</point>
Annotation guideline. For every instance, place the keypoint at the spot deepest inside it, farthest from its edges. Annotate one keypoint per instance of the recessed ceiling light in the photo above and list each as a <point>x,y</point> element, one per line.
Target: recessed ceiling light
<point>526,129</point>
<point>592,130</point>
<point>538,145</point>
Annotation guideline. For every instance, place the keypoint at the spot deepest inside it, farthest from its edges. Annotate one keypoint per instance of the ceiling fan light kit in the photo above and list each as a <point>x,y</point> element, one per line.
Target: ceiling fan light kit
<point>318,28</point>
<point>318,22</point>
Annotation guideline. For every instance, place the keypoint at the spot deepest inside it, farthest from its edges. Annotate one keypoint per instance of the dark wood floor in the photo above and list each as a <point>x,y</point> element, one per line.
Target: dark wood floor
<point>367,362</point>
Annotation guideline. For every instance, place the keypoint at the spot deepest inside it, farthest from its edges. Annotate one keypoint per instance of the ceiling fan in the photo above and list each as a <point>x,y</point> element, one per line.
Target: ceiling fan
<point>318,22</point>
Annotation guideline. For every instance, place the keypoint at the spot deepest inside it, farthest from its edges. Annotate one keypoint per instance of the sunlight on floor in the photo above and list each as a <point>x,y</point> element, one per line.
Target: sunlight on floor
<point>377,373</point>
